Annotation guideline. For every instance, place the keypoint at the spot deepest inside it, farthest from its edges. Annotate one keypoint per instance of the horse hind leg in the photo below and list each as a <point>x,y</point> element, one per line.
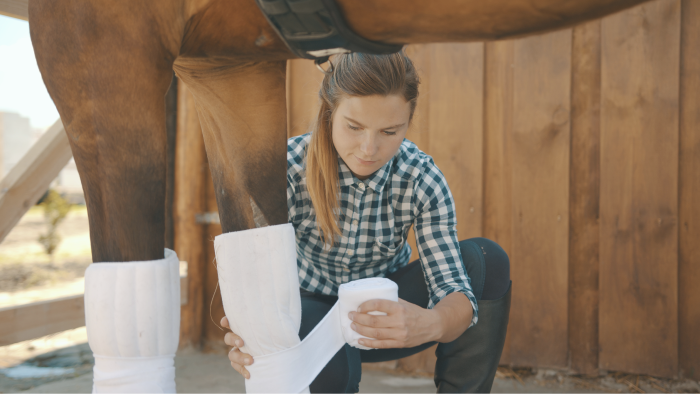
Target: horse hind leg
<point>108,71</point>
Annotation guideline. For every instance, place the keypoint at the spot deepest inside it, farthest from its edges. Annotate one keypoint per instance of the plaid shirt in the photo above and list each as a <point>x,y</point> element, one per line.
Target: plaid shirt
<point>375,216</point>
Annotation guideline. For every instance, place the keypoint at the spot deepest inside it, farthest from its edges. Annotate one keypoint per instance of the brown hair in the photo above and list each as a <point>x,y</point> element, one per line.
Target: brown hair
<point>354,74</point>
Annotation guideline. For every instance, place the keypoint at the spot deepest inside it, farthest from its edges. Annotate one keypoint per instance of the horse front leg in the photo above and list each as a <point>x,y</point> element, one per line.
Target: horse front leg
<point>242,110</point>
<point>107,66</point>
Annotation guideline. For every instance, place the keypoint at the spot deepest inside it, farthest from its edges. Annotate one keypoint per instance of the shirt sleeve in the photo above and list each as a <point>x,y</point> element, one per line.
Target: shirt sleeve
<point>435,228</point>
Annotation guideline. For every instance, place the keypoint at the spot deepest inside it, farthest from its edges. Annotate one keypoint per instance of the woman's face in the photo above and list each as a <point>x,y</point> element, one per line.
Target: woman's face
<point>368,130</point>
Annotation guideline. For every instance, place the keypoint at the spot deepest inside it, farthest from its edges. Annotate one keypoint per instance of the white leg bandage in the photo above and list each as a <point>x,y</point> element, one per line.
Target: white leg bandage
<point>132,314</point>
<point>260,290</point>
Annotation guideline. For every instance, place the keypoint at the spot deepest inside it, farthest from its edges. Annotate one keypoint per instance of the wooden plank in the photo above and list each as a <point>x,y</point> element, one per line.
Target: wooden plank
<point>303,83</point>
<point>191,172</point>
<point>419,130</point>
<point>29,179</point>
<point>498,126</point>
<point>41,318</point>
<point>639,190</point>
<point>15,9</point>
<point>213,335</point>
<point>540,176</point>
<point>455,113</point>
<point>456,127</point>
<point>28,321</point>
<point>689,208</point>
<point>584,203</point>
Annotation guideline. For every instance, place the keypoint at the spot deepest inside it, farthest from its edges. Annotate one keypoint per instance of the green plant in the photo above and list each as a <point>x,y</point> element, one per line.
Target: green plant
<point>55,210</point>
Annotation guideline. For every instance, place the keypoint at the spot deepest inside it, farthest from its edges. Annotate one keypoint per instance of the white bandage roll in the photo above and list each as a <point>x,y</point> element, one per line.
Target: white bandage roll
<point>293,369</point>
<point>259,283</point>
<point>132,315</point>
<point>351,295</point>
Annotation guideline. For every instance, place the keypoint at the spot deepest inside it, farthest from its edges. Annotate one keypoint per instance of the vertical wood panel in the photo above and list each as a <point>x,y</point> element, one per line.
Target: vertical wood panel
<point>456,127</point>
<point>453,83</point>
<point>639,190</point>
<point>541,132</point>
<point>213,309</point>
<point>689,262</point>
<point>584,199</point>
<point>419,132</point>
<point>498,126</point>
<point>189,200</point>
<point>303,83</point>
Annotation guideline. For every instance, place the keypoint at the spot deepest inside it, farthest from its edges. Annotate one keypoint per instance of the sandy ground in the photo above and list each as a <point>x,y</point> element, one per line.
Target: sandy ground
<point>27,275</point>
<point>211,373</point>
<point>24,264</point>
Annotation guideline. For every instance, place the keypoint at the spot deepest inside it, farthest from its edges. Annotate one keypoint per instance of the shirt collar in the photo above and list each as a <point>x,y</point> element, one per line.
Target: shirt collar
<point>376,181</point>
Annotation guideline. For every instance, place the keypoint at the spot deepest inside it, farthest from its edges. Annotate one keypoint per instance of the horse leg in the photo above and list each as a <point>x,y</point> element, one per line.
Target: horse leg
<point>107,66</point>
<point>242,109</point>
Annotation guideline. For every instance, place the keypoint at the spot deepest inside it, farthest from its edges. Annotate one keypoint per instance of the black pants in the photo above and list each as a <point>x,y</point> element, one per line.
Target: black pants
<point>488,268</point>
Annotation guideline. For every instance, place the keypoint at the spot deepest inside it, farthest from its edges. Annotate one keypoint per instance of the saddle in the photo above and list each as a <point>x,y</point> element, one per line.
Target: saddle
<point>315,29</point>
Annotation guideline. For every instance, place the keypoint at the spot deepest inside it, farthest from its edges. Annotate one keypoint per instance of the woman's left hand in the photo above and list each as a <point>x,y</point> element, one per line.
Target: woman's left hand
<point>405,325</point>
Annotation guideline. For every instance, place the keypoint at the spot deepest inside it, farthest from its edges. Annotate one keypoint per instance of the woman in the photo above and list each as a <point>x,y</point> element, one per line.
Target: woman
<point>355,186</point>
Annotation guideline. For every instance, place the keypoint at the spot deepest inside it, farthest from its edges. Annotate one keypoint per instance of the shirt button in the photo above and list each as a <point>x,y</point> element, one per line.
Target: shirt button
<point>361,186</point>
<point>351,252</point>
<point>354,222</point>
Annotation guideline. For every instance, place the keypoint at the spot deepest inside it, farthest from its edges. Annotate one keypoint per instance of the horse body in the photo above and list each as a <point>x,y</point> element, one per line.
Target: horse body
<point>107,65</point>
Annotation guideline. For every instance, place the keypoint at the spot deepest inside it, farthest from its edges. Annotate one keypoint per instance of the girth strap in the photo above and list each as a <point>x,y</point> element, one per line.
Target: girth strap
<point>315,29</point>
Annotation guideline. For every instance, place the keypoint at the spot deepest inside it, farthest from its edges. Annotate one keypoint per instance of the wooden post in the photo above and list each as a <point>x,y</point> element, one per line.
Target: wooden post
<point>189,200</point>
<point>689,209</point>
<point>584,199</point>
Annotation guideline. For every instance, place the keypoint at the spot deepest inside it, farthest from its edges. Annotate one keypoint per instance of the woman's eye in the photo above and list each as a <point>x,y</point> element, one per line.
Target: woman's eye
<point>353,127</point>
<point>390,132</point>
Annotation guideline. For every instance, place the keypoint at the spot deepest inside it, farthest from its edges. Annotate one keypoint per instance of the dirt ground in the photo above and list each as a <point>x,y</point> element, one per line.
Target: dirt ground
<point>27,274</point>
<point>23,262</point>
<point>211,373</point>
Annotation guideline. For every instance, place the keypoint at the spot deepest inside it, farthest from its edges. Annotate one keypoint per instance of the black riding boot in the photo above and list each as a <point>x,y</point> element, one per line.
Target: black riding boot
<point>468,364</point>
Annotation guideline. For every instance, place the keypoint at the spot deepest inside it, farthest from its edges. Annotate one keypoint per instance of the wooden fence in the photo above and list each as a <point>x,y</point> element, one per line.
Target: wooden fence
<point>578,151</point>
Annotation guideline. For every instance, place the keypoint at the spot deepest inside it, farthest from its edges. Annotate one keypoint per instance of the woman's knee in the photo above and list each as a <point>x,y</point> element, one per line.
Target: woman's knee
<point>490,266</point>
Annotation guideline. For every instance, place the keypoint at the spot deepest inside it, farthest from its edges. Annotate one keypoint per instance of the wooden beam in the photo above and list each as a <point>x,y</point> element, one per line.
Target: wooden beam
<point>41,318</point>
<point>30,178</point>
<point>639,156</point>
<point>584,199</point>
<point>689,202</point>
<point>38,319</point>
<point>191,172</point>
<point>15,9</point>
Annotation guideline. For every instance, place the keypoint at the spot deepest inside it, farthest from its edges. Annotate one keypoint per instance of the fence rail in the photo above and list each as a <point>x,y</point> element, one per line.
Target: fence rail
<point>15,8</point>
<point>38,319</point>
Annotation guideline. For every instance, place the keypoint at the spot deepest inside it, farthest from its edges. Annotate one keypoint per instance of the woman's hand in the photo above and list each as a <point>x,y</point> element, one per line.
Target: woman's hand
<point>405,325</point>
<point>238,358</point>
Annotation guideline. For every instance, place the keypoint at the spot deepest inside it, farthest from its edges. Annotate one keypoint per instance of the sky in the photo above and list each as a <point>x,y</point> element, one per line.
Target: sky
<point>21,87</point>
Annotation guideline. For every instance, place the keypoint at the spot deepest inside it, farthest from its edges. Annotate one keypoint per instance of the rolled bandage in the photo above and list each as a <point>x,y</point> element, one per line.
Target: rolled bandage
<point>132,315</point>
<point>351,295</point>
<point>260,290</point>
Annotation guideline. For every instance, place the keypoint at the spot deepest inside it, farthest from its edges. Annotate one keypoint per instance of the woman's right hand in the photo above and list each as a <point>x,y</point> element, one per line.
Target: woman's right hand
<point>238,358</point>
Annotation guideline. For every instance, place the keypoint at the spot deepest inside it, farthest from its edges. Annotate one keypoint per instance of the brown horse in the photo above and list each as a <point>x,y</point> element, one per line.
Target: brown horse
<point>108,64</point>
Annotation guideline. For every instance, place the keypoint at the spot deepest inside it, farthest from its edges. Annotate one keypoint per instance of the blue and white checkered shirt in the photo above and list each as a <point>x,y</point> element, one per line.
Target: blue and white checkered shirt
<point>375,216</point>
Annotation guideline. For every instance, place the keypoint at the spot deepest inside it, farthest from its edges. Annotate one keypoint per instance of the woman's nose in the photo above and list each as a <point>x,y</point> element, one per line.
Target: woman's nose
<point>368,146</point>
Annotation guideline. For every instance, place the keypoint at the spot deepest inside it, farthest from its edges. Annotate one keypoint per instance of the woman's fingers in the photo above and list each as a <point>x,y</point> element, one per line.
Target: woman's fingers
<point>239,360</point>
<point>232,339</point>
<point>397,335</point>
<point>224,322</point>
<point>381,344</point>
<point>368,320</point>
